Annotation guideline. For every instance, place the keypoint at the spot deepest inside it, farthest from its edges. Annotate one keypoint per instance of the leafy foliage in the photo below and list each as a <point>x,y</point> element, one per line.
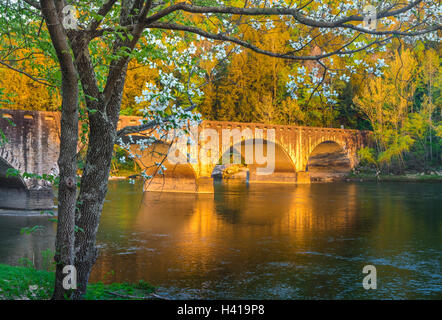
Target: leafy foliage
<point>403,117</point>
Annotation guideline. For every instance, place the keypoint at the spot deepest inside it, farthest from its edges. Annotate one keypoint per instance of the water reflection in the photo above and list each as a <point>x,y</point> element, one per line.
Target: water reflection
<point>264,240</point>
<point>274,241</point>
<point>15,246</point>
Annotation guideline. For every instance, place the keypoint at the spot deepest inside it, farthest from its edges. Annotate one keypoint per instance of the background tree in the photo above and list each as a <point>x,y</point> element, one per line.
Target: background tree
<point>403,129</point>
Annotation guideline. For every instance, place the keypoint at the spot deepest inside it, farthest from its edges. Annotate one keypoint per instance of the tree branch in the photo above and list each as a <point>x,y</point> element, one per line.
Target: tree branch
<point>118,66</point>
<point>102,12</point>
<point>344,22</point>
<point>28,75</point>
<point>143,127</point>
<point>295,13</point>
<point>58,36</point>
<point>223,37</point>
<point>33,3</point>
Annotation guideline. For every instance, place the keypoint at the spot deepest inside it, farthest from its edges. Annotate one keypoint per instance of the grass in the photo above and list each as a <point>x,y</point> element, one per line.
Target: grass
<point>27,283</point>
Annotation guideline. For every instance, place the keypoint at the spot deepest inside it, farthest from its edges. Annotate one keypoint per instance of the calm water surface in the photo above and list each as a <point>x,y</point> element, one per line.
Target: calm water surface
<point>262,241</point>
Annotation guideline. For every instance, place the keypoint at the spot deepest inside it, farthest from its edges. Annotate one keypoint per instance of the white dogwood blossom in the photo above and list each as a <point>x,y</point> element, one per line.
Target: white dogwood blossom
<point>168,103</point>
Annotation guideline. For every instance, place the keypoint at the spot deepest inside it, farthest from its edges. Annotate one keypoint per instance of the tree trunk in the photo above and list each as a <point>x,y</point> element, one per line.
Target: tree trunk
<point>78,248</point>
<point>92,194</point>
<point>67,161</point>
<point>94,182</point>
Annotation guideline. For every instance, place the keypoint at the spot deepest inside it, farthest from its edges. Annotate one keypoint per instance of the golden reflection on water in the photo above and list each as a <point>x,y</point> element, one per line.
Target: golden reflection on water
<point>198,232</point>
<point>262,240</point>
<point>272,240</point>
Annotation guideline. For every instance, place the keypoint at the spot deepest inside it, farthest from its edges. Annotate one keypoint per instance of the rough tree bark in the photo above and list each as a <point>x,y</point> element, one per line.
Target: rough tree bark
<point>67,161</point>
<point>94,183</point>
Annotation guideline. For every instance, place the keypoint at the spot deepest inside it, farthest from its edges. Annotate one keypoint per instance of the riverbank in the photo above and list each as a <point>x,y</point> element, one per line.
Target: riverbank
<point>394,178</point>
<point>22,283</point>
<point>356,178</point>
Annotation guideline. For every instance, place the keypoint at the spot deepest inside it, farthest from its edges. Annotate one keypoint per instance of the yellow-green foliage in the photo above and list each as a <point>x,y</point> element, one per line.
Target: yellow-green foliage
<point>367,155</point>
<point>388,104</point>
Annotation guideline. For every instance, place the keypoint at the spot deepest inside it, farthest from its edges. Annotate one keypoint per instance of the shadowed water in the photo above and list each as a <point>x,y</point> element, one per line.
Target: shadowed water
<point>264,241</point>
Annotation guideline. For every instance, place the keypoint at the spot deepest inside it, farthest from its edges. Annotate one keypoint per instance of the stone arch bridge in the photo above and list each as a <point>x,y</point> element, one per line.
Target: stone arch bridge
<point>301,153</point>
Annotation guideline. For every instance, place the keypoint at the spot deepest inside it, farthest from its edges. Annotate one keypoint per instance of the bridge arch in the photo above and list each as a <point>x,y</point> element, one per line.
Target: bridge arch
<point>181,177</point>
<point>275,165</point>
<point>16,182</point>
<point>328,160</point>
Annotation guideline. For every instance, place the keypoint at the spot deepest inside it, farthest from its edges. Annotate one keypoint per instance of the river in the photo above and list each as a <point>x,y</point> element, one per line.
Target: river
<point>262,241</point>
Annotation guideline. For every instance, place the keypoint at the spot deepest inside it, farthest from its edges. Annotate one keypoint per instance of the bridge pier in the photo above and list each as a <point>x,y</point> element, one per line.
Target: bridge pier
<point>174,184</point>
<point>205,185</point>
<point>302,177</point>
<point>275,177</point>
<point>23,199</point>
